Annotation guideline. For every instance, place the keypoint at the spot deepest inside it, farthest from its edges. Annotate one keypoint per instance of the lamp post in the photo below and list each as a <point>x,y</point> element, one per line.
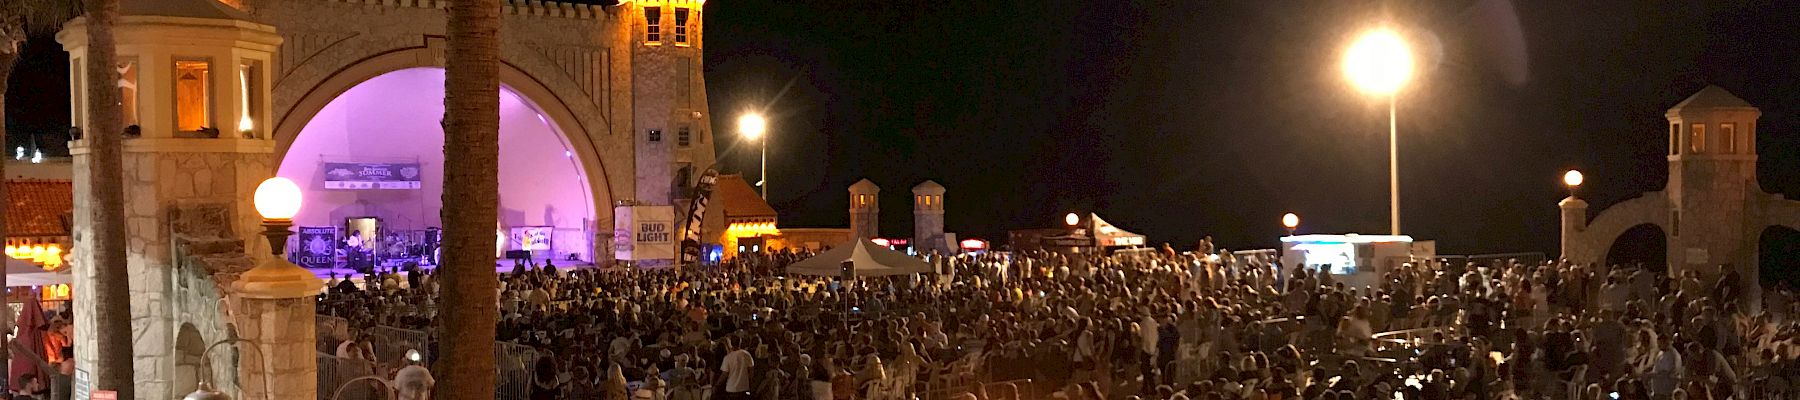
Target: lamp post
<point>278,298</point>
<point>1572,180</point>
<point>1072,219</point>
<point>752,126</point>
<point>1379,63</point>
<point>205,389</point>
<point>1290,221</point>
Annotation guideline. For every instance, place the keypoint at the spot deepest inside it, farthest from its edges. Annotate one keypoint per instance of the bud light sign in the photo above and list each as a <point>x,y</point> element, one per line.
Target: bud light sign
<point>371,175</point>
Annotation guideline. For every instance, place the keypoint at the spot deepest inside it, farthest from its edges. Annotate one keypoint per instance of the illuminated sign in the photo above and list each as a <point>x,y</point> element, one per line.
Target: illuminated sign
<point>371,175</point>
<point>974,244</point>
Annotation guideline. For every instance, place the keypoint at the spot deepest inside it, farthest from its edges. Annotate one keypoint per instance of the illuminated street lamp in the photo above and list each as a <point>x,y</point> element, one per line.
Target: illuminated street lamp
<point>1290,221</point>
<point>1072,219</point>
<point>1379,63</point>
<point>1573,180</point>
<point>752,126</point>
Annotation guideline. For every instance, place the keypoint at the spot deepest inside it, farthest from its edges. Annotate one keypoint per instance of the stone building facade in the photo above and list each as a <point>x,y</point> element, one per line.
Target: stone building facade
<point>623,84</point>
<point>928,219</point>
<point>1712,210</point>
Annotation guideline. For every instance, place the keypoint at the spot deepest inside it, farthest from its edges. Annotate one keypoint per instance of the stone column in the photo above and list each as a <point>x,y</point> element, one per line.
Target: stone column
<point>1574,222</point>
<point>276,299</point>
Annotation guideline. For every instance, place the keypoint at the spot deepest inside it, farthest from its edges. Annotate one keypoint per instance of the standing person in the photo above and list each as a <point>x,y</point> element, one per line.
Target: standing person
<point>735,371</point>
<point>413,381</point>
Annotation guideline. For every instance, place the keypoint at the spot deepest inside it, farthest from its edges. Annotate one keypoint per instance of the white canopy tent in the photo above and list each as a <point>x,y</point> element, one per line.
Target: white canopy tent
<point>867,259</point>
<point>25,273</point>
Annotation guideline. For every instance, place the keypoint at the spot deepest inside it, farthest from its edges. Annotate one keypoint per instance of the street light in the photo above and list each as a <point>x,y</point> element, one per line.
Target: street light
<point>1379,63</point>
<point>1290,221</point>
<point>1572,179</point>
<point>1071,219</point>
<point>752,126</point>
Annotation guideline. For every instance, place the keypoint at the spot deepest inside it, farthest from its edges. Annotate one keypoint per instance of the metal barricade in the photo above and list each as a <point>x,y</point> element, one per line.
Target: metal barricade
<point>329,331</point>
<point>390,343</point>
<point>516,363</point>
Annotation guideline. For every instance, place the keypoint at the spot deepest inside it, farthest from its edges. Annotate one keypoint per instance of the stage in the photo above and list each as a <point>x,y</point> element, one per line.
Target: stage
<point>504,267</point>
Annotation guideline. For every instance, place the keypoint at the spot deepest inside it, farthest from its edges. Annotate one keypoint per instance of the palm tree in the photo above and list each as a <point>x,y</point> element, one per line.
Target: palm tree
<point>105,132</point>
<point>19,19</point>
<point>472,167</point>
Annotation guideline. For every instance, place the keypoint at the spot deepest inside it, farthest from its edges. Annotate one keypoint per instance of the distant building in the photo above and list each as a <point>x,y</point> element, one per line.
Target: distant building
<point>1712,209</point>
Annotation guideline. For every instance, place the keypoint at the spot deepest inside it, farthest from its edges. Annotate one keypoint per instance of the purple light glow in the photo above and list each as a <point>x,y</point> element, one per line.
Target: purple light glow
<point>395,117</point>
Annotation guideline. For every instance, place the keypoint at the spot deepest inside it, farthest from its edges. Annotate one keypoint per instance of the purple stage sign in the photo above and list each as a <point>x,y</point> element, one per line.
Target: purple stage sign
<point>317,247</point>
<point>371,175</point>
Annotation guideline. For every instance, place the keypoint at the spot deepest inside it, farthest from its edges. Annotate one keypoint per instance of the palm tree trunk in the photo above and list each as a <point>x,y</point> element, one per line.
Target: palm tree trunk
<point>471,172</point>
<point>112,293</point>
<point>8,57</point>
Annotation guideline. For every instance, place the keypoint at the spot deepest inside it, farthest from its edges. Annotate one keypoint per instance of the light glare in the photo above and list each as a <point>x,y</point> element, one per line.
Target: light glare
<point>1379,62</point>
<point>752,125</point>
<point>277,198</point>
<point>1290,221</point>
<point>1573,178</point>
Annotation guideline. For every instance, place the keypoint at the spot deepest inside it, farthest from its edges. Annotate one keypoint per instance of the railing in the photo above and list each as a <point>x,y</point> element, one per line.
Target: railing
<point>390,343</point>
<point>516,365</point>
<point>1495,259</point>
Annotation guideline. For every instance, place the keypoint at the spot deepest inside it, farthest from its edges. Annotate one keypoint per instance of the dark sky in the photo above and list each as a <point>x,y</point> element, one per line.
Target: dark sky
<point>1179,119</point>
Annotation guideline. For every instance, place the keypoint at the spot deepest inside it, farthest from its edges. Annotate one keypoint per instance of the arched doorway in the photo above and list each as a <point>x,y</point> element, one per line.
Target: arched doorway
<point>190,349</point>
<point>394,118</point>
<point>1778,257</point>
<point>1645,244</point>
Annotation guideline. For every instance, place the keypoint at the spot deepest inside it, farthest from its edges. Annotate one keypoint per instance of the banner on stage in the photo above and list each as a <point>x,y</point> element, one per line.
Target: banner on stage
<point>644,233</point>
<point>317,247</point>
<point>371,175</point>
<point>532,238</point>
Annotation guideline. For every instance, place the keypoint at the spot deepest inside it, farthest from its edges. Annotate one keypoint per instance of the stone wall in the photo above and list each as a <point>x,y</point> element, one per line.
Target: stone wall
<point>161,177</point>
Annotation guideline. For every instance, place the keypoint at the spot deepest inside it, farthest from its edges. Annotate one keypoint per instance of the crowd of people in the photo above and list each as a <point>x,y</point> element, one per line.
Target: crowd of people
<point>1136,325</point>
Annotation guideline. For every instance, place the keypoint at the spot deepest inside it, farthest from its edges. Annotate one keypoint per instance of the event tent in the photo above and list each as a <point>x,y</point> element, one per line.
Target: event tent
<point>867,258</point>
<point>25,273</point>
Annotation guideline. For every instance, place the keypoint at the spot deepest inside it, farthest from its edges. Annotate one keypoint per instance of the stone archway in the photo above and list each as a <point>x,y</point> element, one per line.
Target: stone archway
<point>592,216</point>
<point>1778,255</point>
<point>190,350</point>
<point>583,140</point>
<point>1645,244</point>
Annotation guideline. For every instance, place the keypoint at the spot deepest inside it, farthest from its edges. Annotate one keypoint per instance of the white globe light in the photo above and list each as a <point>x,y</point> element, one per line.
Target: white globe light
<point>1290,221</point>
<point>277,198</point>
<point>1572,178</point>
<point>752,125</point>
<point>1071,219</point>
<point>1379,62</point>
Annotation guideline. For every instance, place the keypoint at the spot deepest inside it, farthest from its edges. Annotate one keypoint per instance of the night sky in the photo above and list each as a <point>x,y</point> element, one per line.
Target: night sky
<point>1178,119</point>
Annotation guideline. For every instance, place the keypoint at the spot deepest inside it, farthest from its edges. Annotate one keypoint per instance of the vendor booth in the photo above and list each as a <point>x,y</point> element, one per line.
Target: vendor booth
<point>865,258</point>
<point>1355,259</point>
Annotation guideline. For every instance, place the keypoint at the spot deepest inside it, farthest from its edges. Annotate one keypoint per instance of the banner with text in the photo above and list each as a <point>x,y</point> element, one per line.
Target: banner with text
<point>371,175</point>
<point>644,232</point>
<point>317,247</point>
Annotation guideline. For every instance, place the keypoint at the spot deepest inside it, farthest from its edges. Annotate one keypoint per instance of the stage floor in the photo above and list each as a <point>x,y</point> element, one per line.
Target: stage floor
<point>505,267</point>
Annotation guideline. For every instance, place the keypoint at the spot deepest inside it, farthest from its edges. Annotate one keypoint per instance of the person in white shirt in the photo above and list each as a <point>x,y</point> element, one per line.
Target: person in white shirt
<point>736,371</point>
<point>414,382</point>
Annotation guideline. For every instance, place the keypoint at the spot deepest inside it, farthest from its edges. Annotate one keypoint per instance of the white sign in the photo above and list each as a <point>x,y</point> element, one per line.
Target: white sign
<point>1696,255</point>
<point>644,233</point>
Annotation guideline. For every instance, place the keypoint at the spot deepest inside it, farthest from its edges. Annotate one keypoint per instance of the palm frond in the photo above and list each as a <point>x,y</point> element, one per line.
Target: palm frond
<point>37,17</point>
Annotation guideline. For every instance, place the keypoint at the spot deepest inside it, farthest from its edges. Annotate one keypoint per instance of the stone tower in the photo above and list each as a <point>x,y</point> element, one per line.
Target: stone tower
<point>194,85</point>
<point>1712,175</point>
<point>672,125</point>
<point>1712,210</point>
<point>865,210</point>
<point>928,218</point>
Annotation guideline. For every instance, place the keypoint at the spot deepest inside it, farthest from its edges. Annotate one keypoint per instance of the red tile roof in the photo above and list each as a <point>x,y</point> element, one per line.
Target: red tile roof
<point>740,200</point>
<point>37,207</point>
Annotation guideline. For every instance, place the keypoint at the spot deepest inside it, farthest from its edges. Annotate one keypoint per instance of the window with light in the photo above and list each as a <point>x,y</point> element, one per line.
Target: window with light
<point>193,92</point>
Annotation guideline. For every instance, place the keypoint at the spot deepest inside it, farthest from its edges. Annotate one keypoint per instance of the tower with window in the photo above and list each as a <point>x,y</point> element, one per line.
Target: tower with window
<point>1712,176</point>
<point>670,116</point>
<point>865,210</point>
<point>928,218</point>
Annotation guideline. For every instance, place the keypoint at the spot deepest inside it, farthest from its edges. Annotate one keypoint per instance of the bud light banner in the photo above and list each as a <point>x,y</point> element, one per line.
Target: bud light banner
<point>371,176</point>
<point>644,233</point>
<point>317,247</point>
